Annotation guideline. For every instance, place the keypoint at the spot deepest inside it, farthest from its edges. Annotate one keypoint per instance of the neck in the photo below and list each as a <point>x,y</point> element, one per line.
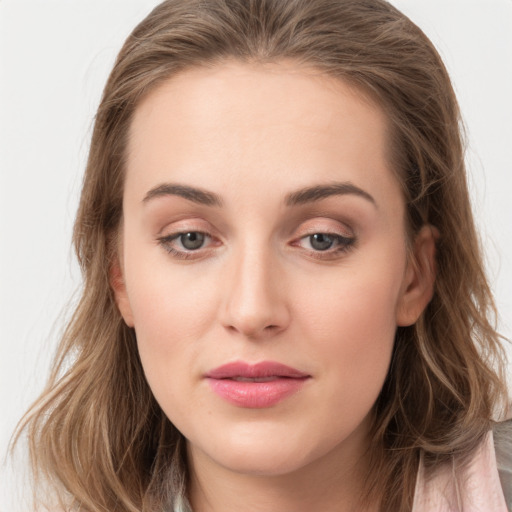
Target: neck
<point>333,482</point>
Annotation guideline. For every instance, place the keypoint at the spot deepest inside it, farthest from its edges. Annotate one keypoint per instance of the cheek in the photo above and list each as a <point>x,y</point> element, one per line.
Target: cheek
<point>170,315</point>
<point>169,333</point>
<point>352,321</point>
<point>357,309</point>
<point>163,295</point>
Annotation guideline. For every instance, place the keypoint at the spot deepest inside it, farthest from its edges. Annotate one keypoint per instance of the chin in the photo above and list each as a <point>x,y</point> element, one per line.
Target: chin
<point>264,462</point>
<point>263,451</point>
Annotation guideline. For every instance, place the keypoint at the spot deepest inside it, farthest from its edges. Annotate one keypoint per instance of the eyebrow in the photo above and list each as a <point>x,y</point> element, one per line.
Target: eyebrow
<point>194,194</point>
<point>299,197</point>
<point>316,193</point>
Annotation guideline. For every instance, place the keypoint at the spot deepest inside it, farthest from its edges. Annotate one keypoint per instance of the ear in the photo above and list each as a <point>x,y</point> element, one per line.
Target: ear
<point>119,288</point>
<point>418,284</point>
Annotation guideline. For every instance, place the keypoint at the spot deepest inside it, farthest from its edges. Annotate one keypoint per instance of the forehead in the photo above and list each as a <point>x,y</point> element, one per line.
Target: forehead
<point>232,123</point>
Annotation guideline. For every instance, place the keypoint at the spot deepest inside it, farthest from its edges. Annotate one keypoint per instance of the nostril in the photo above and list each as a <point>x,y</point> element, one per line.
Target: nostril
<point>254,332</point>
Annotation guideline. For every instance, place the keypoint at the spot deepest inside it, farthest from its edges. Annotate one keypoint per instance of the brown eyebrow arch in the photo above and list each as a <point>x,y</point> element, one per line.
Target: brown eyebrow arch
<point>302,196</point>
<point>318,192</point>
<point>194,194</point>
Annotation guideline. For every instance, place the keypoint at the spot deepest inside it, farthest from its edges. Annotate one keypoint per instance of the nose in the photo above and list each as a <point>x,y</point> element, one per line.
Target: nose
<point>255,304</point>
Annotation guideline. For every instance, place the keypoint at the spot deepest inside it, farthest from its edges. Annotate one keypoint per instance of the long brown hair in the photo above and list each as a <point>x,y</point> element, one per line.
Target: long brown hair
<point>97,432</point>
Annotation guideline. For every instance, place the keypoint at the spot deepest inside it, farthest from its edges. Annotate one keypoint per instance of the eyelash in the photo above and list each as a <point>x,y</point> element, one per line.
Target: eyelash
<point>342,243</point>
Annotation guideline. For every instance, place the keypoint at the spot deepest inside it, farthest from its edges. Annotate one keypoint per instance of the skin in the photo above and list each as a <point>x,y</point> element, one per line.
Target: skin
<point>258,289</point>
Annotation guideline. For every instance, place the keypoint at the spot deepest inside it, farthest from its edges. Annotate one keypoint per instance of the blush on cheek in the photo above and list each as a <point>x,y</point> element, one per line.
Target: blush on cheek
<point>359,336</point>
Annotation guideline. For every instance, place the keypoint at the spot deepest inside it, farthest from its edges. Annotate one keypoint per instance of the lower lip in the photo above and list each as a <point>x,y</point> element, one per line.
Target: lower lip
<point>256,395</point>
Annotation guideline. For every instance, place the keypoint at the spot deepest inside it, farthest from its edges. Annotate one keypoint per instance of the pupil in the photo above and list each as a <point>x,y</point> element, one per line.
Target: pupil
<point>321,242</point>
<point>192,240</point>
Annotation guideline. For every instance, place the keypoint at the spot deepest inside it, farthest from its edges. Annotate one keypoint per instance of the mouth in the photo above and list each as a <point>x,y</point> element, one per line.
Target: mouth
<point>255,386</point>
<point>264,370</point>
<point>260,379</point>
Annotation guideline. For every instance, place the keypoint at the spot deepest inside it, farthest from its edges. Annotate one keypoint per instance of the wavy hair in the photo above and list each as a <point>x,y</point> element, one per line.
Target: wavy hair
<point>97,432</point>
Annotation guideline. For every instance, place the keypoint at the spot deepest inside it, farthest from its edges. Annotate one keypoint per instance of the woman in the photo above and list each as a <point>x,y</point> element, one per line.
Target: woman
<point>284,306</point>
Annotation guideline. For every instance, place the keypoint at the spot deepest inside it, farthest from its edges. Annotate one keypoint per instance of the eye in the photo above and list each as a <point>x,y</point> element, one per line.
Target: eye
<point>192,240</point>
<point>184,244</point>
<point>325,242</point>
<point>321,241</point>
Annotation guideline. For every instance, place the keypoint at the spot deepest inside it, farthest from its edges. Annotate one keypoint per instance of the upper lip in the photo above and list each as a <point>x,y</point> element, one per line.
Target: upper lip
<point>255,371</point>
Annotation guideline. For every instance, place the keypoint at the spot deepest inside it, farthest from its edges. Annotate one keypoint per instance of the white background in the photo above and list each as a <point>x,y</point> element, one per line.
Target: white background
<point>54,59</point>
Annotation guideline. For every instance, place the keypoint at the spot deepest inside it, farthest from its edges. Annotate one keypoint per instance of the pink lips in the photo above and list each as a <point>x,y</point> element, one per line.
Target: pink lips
<point>255,386</point>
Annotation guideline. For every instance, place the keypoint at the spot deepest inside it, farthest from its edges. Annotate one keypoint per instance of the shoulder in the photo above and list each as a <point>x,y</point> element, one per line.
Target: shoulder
<point>502,433</point>
<point>480,485</point>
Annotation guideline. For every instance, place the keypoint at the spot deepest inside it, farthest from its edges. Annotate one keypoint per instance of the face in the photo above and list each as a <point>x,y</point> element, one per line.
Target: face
<point>264,263</point>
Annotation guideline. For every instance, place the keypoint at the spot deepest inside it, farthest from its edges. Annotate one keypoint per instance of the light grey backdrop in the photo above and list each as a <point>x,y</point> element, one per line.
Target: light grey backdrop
<point>54,59</point>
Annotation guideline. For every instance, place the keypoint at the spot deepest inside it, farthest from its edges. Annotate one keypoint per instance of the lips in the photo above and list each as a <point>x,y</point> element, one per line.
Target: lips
<point>255,386</point>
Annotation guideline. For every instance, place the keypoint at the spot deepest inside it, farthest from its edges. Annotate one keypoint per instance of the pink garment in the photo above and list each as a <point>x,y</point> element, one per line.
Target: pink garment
<point>476,488</point>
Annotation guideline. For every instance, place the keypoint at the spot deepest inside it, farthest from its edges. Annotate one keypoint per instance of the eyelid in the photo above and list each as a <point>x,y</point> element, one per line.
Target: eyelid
<point>326,225</point>
<point>185,224</point>
<point>168,238</point>
<point>345,237</point>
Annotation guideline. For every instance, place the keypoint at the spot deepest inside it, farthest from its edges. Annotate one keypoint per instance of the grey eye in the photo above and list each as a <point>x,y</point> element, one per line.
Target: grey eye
<point>321,241</point>
<point>192,241</point>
